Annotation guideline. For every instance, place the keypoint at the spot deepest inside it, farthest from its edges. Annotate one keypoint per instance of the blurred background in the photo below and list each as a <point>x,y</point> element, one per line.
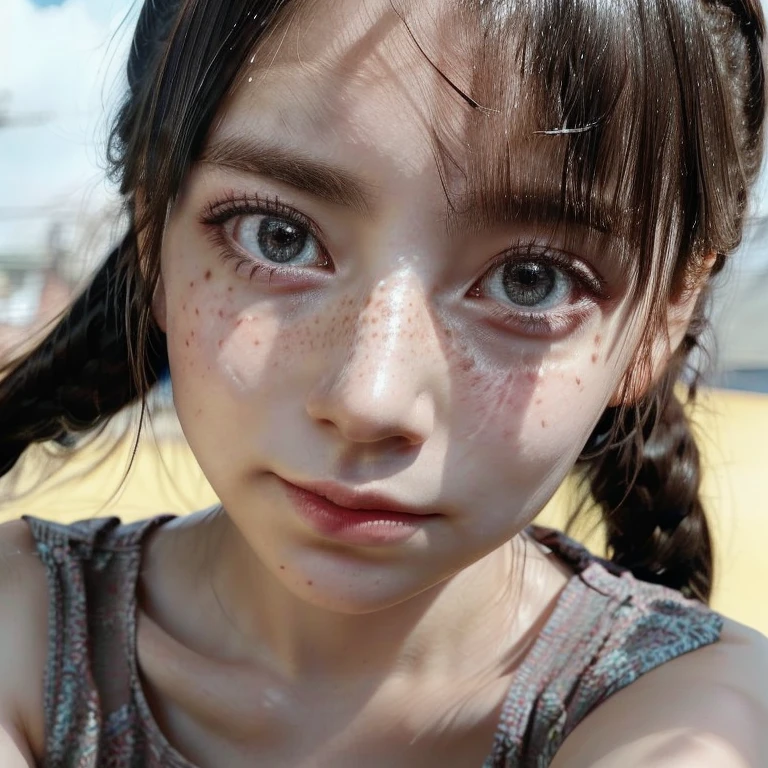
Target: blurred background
<point>60,81</point>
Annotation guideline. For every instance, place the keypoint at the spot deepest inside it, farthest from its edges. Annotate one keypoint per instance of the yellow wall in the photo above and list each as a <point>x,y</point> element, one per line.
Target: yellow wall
<point>734,440</point>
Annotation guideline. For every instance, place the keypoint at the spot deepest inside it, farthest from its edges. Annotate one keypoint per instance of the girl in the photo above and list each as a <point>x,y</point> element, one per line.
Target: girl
<point>409,263</point>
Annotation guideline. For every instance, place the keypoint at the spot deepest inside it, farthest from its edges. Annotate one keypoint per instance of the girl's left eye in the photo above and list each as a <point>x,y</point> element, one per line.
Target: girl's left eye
<point>539,291</point>
<point>276,240</point>
<point>530,285</point>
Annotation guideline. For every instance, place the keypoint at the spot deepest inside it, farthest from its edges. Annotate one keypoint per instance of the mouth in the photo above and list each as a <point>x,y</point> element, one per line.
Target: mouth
<point>360,501</point>
<point>356,517</point>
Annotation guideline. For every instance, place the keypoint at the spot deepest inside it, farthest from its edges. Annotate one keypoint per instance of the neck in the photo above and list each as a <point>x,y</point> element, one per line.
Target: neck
<point>478,614</point>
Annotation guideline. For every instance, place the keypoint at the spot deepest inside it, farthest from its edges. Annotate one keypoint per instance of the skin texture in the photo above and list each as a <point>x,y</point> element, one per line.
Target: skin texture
<point>389,361</point>
<point>384,373</point>
<point>385,366</point>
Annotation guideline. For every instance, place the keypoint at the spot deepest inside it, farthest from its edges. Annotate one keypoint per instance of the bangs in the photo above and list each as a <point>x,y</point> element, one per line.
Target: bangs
<point>586,114</point>
<point>616,117</point>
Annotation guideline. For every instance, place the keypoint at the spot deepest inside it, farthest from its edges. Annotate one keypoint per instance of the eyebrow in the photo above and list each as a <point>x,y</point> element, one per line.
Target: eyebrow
<point>315,177</point>
<point>475,212</point>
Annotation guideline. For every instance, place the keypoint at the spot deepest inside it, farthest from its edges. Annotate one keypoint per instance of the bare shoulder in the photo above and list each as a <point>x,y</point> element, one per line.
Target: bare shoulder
<point>706,709</point>
<point>23,636</point>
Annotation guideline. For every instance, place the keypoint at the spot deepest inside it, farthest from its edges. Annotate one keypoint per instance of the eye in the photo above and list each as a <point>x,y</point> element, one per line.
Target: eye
<point>530,284</point>
<point>276,240</point>
<point>540,292</point>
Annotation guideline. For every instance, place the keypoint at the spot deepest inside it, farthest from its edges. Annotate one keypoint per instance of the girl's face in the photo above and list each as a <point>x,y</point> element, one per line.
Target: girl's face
<point>335,325</point>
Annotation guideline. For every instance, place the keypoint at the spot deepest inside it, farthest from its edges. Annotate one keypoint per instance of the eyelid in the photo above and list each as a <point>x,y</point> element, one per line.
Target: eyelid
<point>244,204</point>
<point>588,286</point>
<point>217,214</point>
<point>572,265</point>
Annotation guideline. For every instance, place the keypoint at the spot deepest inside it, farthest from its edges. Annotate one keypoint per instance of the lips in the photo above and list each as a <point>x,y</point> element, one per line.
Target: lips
<point>360,500</point>
<point>356,518</point>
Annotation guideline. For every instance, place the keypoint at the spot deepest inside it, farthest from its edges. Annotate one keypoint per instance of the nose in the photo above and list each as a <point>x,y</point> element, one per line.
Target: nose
<point>383,382</point>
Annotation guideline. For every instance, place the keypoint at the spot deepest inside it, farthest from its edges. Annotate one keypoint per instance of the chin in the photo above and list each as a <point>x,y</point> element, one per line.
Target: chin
<point>354,589</point>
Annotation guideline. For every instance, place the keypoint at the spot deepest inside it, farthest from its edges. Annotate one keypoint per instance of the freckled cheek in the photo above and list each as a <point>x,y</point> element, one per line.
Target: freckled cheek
<point>488,397</point>
<point>538,409</point>
<point>566,404</point>
<point>205,330</point>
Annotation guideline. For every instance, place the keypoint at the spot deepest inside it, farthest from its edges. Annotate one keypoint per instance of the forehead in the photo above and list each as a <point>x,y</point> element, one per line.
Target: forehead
<point>359,75</point>
<point>470,97</point>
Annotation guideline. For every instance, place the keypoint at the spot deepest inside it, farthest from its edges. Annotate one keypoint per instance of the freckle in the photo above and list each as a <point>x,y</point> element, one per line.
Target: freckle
<point>256,342</point>
<point>310,583</point>
<point>192,334</point>
<point>192,284</point>
<point>598,340</point>
<point>595,357</point>
<point>376,335</point>
<point>543,424</point>
<point>197,311</point>
<point>282,567</point>
<point>229,290</point>
<point>187,342</point>
<point>578,381</point>
<point>221,343</point>
<point>374,321</point>
<point>184,307</point>
<point>539,401</point>
<point>208,274</point>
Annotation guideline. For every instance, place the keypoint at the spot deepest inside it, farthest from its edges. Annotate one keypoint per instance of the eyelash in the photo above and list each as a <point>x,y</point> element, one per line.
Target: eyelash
<point>217,213</point>
<point>550,323</point>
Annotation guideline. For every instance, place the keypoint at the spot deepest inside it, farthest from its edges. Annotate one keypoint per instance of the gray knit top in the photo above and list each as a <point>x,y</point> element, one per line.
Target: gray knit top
<point>606,630</point>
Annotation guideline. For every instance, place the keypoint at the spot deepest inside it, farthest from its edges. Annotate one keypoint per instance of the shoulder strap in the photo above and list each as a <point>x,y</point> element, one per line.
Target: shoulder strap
<point>92,568</point>
<point>607,630</point>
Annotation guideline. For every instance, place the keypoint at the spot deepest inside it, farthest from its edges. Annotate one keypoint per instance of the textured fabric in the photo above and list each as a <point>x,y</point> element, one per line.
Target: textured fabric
<point>605,631</point>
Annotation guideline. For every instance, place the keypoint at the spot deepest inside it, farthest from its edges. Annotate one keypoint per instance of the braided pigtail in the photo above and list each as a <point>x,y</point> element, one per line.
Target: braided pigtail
<point>82,373</point>
<point>105,352</point>
<point>646,481</point>
<point>642,464</point>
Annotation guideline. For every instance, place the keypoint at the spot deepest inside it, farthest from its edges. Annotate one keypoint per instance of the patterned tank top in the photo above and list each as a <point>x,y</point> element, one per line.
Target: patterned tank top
<point>606,630</point>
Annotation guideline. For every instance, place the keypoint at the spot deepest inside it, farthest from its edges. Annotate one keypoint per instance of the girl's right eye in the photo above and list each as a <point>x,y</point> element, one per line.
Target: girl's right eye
<point>263,235</point>
<point>276,240</point>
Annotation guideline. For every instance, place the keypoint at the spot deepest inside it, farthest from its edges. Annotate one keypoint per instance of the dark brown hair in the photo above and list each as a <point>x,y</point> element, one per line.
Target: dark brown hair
<point>650,113</point>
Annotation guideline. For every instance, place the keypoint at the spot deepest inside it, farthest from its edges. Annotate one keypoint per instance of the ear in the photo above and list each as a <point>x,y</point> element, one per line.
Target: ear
<point>649,368</point>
